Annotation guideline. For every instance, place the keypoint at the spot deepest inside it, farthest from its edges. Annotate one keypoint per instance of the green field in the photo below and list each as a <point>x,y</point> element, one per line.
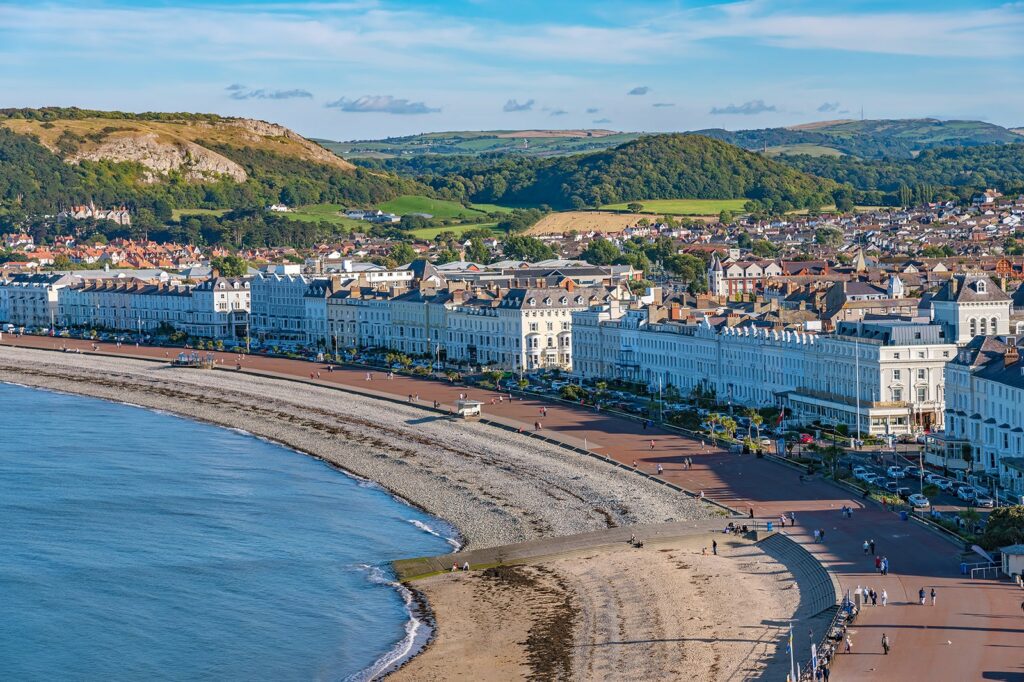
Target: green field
<point>177,213</point>
<point>491,208</point>
<point>684,206</point>
<point>439,208</point>
<point>431,232</point>
<point>328,213</point>
<point>809,149</point>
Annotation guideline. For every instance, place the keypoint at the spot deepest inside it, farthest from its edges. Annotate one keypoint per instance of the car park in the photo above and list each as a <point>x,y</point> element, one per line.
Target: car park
<point>919,501</point>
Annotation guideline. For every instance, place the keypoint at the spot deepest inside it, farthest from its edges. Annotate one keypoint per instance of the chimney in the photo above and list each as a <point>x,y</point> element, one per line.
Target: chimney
<point>1011,356</point>
<point>675,312</point>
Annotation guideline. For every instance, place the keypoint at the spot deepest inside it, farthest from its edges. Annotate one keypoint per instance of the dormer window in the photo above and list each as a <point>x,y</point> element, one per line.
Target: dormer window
<point>563,300</point>
<point>532,301</point>
<point>547,301</point>
<point>980,286</point>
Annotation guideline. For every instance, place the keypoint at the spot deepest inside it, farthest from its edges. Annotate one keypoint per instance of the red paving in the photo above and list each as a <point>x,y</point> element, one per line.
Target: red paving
<point>975,632</point>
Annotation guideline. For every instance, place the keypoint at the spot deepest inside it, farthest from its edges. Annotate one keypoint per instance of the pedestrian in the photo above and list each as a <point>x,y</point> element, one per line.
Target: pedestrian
<point>874,598</point>
<point>536,426</point>
<point>885,565</point>
<point>825,672</point>
<point>920,596</point>
<point>817,536</point>
<point>660,470</point>
<point>878,564</point>
<point>849,644</point>
<point>702,445</point>
<point>885,643</point>
<point>465,566</point>
<point>866,547</point>
<point>652,444</point>
<point>751,512</point>
<point>792,518</point>
<point>782,521</point>
<point>702,497</point>
<point>317,374</point>
<point>714,547</point>
<point>455,567</point>
<point>872,546</point>
<point>634,464</point>
<point>823,535</point>
<point>933,596</point>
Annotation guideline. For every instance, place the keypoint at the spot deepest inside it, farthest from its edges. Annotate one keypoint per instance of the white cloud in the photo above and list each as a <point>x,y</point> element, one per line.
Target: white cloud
<point>382,104</point>
<point>238,91</point>
<point>514,105</point>
<point>663,105</point>
<point>639,90</point>
<point>754,106</point>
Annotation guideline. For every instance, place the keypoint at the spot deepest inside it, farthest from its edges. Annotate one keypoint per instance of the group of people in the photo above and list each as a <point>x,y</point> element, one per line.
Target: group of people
<point>882,565</point>
<point>871,597</point>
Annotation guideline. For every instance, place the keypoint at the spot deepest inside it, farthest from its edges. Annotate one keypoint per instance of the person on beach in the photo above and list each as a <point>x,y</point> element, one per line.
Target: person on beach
<point>455,567</point>
<point>465,566</point>
<point>702,494</point>
<point>885,644</point>
<point>714,547</point>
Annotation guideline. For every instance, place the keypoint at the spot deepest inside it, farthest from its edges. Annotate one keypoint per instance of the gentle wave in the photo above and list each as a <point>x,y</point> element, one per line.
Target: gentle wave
<point>427,529</point>
<point>404,648</point>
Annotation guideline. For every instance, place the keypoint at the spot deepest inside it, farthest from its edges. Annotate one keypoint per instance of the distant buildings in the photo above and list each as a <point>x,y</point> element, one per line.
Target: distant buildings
<point>121,216</point>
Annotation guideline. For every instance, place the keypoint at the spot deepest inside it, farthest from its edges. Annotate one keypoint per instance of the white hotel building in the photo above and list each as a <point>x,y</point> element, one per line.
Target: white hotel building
<point>899,363</point>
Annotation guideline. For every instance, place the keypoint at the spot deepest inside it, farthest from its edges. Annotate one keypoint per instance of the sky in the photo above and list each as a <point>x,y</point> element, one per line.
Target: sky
<point>366,69</point>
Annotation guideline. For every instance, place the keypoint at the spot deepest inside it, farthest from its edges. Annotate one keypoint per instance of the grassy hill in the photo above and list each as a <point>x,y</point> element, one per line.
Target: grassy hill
<point>869,139</point>
<point>652,167</point>
<point>687,207</point>
<point>53,157</point>
<point>523,142</point>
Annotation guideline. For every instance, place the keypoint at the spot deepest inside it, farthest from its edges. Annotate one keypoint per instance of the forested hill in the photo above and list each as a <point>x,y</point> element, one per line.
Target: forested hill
<point>869,139</point>
<point>652,167</point>
<point>50,158</point>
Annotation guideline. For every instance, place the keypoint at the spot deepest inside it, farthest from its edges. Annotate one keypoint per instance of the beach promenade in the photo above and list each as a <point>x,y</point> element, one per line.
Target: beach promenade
<point>974,632</point>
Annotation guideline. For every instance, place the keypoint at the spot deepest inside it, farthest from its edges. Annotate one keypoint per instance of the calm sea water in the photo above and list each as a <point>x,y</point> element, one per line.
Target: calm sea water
<point>136,545</point>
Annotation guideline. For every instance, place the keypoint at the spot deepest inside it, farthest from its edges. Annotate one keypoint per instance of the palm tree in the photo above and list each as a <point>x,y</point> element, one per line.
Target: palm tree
<point>730,426</point>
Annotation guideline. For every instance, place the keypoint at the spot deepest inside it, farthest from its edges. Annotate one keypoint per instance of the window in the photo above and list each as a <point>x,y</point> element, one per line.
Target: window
<point>974,327</point>
<point>993,327</point>
<point>895,356</point>
<point>897,394</point>
<point>980,286</point>
<point>922,394</point>
<point>984,327</point>
<point>897,374</point>
<point>922,374</point>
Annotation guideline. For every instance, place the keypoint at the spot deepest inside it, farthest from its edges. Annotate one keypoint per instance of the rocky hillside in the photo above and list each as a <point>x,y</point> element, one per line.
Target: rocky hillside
<point>191,145</point>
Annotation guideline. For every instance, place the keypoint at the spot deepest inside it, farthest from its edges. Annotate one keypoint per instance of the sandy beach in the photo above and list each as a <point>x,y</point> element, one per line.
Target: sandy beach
<point>667,611</point>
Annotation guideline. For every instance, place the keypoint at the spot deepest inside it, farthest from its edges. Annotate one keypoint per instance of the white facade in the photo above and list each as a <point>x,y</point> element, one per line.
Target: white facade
<point>971,305</point>
<point>279,308</point>
<point>31,300</point>
<point>900,377</point>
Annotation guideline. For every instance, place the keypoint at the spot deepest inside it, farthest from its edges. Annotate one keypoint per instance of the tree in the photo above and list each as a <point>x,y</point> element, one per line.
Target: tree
<point>520,247</point>
<point>634,207</point>
<point>402,253</point>
<point>725,217</point>
<point>1005,527</point>
<point>764,248</point>
<point>476,252</point>
<point>828,236</point>
<point>730,426</point>
<point>843,198</point>
<point>744,241</point>
<point>230,266</point>
<point>600,252</point>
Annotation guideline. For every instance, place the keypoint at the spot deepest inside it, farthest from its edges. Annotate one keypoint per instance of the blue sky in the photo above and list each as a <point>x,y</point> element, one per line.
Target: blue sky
<point>358,69</point>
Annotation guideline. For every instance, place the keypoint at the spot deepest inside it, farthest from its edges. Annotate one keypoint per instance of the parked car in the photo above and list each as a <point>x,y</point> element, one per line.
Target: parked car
<point>919,501</point>
<point>859,472</point>
<point>983,500</point>
<point>806,439</point>
<point>903,492</point>
<point>892,486</point>
<point>895,472</point>
<point>966,493</point>
<point>933,478</point>
<point>944,484</point>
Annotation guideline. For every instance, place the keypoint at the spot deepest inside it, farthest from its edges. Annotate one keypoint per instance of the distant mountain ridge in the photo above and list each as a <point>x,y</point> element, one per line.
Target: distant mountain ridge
<point>869,139</point>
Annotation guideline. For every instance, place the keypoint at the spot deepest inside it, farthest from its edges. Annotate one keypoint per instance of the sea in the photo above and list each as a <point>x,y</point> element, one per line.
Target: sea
<point>137,545</point>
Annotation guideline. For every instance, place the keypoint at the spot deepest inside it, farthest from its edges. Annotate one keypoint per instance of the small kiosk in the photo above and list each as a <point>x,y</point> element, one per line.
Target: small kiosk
<point>468,409</point>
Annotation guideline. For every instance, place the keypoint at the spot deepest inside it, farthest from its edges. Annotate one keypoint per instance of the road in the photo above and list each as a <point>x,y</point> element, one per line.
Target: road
<point>975,631</point>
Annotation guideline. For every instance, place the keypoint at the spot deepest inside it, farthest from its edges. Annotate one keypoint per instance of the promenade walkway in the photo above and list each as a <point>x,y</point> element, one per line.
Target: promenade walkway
<point>975,631</point>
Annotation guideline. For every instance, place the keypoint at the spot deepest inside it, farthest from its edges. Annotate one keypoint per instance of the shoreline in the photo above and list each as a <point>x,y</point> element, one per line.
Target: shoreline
<point>554,474</point>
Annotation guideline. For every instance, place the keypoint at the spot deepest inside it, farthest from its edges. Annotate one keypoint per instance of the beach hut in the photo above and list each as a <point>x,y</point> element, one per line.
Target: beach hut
<point>468,409</point>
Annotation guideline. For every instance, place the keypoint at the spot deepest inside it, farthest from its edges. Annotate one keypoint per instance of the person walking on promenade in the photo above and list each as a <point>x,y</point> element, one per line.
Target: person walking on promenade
<point>751,514</point>
<point>885,565</point>
<point>714,547</point>
<point>660,470</point>
<point>885,643</point>
<point>878,564</point>
<point>536,426</point>
<point>652,444</point>
<point>817,536</point>
<point>866,547</point>
<point>885,597</point>
<point>874,598</point>
<point>920,596</point>
<point>872,543</point>
<point>634,464</point>
<point>792,518</point>
<point>849,644</point>
<point>822,531</point>
<point>933,596</point>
